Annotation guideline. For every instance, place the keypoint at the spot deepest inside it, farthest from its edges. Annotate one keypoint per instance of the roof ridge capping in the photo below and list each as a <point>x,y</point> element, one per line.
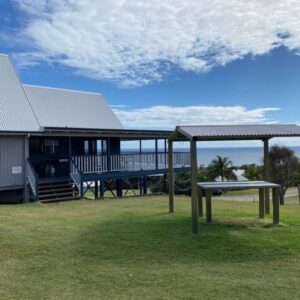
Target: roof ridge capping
<point>61,89</point>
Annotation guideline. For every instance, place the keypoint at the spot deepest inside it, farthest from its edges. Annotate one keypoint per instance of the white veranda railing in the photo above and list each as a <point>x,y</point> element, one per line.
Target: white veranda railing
<point>127,162</point>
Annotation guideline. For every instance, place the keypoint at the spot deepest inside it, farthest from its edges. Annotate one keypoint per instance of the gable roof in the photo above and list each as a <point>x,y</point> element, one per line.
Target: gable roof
<point>70,109</point>
<point>16,113</point>
<point>235,132</point>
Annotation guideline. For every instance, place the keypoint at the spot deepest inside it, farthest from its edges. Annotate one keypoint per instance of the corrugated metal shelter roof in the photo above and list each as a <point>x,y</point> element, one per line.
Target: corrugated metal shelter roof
<point>16,114</point>
<point>235,132</point>
<point>71,109</point>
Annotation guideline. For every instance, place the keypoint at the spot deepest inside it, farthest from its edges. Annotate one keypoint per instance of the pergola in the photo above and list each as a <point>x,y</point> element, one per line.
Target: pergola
<point>223,133</point>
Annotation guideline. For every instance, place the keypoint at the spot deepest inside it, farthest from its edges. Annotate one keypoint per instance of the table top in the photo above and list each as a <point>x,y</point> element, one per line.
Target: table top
<point>236,185</point>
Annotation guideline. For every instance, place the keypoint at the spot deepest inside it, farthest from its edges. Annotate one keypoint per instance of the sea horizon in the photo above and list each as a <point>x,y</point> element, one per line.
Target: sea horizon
<point>238,155</point>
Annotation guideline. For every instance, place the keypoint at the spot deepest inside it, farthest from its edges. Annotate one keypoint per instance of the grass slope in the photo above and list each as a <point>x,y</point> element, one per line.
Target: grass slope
<point>133,249</point>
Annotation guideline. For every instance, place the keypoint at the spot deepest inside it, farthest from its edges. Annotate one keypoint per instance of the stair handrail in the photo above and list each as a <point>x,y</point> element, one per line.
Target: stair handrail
<point>76,176</point>
<point>33,179</point>
<point>73,163</point>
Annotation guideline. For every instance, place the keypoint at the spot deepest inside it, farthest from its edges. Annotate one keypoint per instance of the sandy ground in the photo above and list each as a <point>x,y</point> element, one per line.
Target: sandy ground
<point>291,192</point>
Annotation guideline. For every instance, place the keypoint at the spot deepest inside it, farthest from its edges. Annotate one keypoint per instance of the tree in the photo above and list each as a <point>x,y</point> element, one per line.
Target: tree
<point>221,166</point>
<point>252,171</point>
<point>284,166</point>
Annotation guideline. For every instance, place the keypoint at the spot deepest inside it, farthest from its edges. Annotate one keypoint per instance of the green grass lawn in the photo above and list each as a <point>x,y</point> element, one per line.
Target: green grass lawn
<point>133,249</point>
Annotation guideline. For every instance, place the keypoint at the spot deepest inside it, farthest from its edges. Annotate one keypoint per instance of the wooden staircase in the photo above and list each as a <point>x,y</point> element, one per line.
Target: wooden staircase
<point>57,191</point>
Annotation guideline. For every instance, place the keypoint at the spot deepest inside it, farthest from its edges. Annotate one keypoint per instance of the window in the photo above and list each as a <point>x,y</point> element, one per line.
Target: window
<point>86,147</point>
<point>51,146</point>
<point>99,147</point>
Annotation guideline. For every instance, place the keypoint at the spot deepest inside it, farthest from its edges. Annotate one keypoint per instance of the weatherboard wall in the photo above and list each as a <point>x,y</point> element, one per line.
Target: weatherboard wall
<point>12,162</point>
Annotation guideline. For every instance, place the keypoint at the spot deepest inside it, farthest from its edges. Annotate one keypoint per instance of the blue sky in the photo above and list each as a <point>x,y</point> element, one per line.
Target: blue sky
<point>159,65</point>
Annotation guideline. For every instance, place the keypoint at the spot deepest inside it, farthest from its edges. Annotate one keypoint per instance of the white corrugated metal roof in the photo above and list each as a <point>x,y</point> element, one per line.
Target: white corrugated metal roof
<point>230,132</point>
<point>15,111</point>
<point>71,109</point>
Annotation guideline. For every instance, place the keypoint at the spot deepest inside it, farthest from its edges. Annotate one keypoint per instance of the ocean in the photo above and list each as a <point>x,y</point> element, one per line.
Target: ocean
<point>238,155</point>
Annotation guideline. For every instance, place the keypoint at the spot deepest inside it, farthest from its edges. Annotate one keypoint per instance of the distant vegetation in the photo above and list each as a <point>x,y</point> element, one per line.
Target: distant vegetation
<point>284,170</point>
<point>219,167</point>
<point>252,171</point>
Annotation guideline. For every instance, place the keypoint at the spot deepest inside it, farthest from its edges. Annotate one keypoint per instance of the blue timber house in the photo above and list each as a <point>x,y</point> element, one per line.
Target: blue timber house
<point>56,144</point>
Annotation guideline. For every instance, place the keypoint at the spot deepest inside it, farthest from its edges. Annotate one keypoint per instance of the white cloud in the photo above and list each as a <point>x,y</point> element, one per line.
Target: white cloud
<point>119,106</point>
<point>136,42</point>
<point>169,116</point>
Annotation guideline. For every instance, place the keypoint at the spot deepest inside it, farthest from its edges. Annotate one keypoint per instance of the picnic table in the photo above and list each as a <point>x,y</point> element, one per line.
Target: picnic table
<point>208,187</point>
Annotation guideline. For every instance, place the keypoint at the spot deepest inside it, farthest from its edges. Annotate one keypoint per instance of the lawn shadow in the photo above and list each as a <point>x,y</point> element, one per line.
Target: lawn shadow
<point>168,238</point>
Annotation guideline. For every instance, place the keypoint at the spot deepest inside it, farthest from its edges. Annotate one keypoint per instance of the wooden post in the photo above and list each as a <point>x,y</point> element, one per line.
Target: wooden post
<point>200,203</point>
<point>70,152</point>
<point>81,188</point>
<point>165,146</point>
<point>145,185</point>
<point>96,189</point>
<point>275,205</point>
<point>26,184</point>
<point>156,154</point>
<point>108,154</point>
<point>140,146</point>
<point>101,188</point>
<point>266,175</point>
<point>299,193</point>
<point>208,206</point>
<point>141,185</point>
<point>119,188</point>
<point>171,176</point>
<point>194,186</point>
<point>102,158</point>
<point>261,203</point>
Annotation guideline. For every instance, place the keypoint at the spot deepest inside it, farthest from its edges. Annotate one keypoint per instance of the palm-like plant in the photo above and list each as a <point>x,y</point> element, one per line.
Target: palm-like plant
<point>221,166</point>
